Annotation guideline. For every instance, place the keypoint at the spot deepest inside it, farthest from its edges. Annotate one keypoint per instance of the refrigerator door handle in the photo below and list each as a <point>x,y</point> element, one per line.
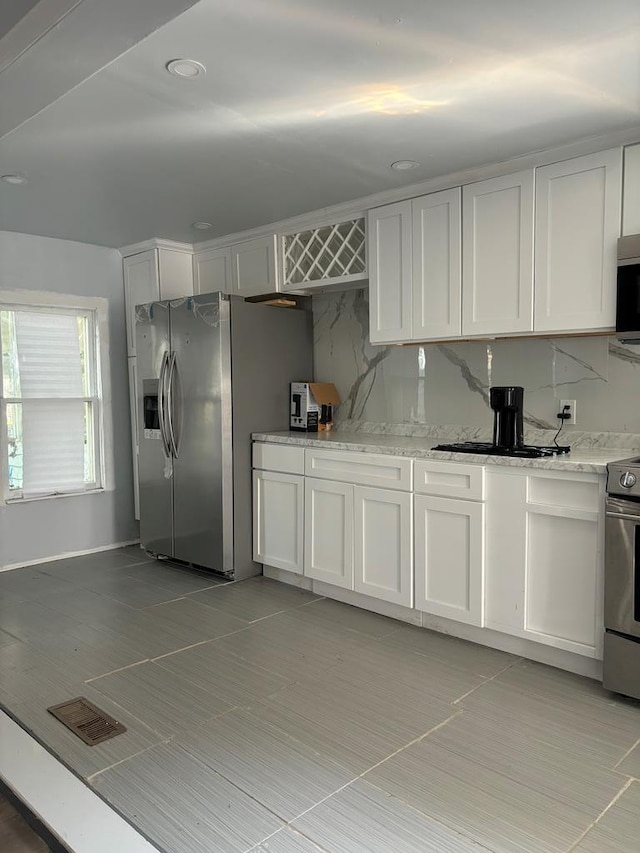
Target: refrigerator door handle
<point>170,430</point>
<point>161,405</point>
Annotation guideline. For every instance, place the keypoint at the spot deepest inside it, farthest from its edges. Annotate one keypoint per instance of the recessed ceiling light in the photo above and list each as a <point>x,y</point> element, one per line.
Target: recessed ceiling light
<point>185,68</point>
<point>13,179</point>
<point>202,226</point>
<point>404,165</point>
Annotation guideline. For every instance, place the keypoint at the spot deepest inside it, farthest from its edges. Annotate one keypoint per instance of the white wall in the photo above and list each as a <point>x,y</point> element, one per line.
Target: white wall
<point>41,529</point>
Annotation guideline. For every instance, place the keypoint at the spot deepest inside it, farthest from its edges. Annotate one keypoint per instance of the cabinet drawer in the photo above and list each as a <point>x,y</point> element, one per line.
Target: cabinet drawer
<point>363,469</point>
<point>449,480</point>
<point>581,494</point>
<point>278,457</point>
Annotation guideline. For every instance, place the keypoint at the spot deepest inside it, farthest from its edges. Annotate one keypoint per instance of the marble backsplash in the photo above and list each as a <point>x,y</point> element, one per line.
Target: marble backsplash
<point>448,384</point>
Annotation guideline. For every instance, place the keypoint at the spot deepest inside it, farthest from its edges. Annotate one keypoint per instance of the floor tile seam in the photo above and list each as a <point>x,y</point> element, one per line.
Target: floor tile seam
<point>89,779</point>
<point>195,645</point>
<point>486,681</point>
<point>620,793</point>
<point>114,671</point>
<point>161,587</point>
<point>626,755</point>
<point>290,682</point>
<point>233,784</point>
<point>256,847</point>
<point>134,716</point>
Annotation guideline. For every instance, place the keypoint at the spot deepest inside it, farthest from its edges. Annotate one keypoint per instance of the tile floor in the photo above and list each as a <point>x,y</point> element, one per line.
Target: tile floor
<point>261,717</point>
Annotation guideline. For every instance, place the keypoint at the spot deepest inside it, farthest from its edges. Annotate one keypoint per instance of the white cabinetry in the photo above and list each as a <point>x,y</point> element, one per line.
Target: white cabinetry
<point>159,273</point>
<point>577,225</point>
<point>436,242</point>
<point>449,540</point>
<point>357,534</point>
<point>631,191</point>
<point>212,270</point>
<point>254,267</point>
<point>544,558</point>
<point>328,532</point>
<point>414,269</point>
<point>278,506</point>
<point>497,241</point>
<point>390,276</point>
<point>383,565</point>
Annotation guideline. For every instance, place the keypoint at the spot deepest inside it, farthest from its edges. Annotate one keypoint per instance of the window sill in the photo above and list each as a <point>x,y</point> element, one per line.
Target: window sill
<point>19,501</point>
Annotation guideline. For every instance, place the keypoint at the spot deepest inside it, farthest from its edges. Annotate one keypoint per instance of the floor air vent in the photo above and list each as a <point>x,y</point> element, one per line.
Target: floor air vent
<point>86,721</point>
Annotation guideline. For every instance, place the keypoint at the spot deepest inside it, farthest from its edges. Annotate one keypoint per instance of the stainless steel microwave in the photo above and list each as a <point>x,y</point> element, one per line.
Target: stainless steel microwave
<point>628,290</point>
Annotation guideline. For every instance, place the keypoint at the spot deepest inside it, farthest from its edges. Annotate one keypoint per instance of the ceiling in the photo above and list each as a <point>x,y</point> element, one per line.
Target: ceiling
<point>305,104</point>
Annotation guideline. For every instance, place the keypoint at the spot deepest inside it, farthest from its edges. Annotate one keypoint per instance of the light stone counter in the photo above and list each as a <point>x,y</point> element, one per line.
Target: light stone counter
<point>592,460</point>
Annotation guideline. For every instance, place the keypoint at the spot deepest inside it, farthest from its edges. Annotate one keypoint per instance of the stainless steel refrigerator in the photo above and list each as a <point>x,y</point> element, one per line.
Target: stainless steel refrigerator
<point>211,369</point>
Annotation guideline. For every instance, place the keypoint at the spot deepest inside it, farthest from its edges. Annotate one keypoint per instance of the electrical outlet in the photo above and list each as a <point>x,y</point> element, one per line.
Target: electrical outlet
<point>572,410</point>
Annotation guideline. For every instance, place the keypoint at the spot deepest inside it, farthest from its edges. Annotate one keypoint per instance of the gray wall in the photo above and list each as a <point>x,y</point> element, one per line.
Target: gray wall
<point>443,384</point>
<point>47,528</point>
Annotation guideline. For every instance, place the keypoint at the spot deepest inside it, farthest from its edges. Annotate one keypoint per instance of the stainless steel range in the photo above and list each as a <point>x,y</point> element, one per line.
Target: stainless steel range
<point>621,665</point>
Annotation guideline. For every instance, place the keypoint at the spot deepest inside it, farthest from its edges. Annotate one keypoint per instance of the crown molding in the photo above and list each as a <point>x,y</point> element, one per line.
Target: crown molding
<point>155,243</point>
<point>359,207</point>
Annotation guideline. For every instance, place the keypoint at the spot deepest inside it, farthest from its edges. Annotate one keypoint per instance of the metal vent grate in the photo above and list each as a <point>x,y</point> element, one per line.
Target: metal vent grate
<point>86,721</point>
<point>332,251</point>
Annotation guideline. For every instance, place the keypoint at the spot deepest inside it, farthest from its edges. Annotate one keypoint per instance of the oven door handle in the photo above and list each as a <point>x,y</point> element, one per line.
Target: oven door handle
<point>631,518</point>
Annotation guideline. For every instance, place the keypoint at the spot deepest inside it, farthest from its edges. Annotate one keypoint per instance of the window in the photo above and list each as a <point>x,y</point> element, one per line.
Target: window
<point>50,402</point>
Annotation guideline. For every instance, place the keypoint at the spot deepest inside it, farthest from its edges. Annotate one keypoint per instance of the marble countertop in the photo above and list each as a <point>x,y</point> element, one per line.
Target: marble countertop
<point>586,460</point>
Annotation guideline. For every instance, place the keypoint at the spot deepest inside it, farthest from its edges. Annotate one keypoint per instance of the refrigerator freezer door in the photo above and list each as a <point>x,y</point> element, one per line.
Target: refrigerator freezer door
<point>200,422</point>
<point>154,461</point>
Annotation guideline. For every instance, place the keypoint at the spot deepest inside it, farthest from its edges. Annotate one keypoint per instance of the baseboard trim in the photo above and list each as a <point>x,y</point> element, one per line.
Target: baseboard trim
<point>559,658</point>
<point>67,555</point>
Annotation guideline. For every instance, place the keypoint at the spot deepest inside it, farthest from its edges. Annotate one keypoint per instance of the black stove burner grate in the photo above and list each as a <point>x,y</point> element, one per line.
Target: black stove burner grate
<point>527,451</point>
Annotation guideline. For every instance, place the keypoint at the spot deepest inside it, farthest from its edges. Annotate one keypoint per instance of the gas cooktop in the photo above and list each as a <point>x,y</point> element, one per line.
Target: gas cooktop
<point>527,451</point>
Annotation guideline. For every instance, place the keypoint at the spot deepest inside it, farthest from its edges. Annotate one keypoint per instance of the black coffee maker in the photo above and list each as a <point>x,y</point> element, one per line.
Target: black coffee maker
<point>507,402</point>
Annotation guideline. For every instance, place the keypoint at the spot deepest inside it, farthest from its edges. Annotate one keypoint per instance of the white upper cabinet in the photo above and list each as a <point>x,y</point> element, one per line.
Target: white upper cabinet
<point>141,285</point>
<point>497,240</point>
<point>254,269</point>
<point>389,264</point>
<point>436,288</point>
<point>631,191</point>
<point>577,226</point>
<point>212,270</point>
<point>414,269</point>
<point>148,276</point>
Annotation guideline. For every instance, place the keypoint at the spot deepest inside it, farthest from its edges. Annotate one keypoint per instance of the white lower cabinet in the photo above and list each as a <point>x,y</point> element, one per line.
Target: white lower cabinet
<point>383,545</point>
<point>449,558</point>
<point>328,531</point>
<point>544,572</point>
<point>278,501</point>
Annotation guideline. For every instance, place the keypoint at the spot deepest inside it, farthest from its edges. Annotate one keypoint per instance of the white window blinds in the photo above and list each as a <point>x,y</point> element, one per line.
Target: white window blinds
<point>52,387</point>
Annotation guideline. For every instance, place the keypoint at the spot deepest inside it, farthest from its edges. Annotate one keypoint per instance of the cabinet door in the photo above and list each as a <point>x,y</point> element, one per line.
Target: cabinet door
<point>497,260</point>
<point>389,264</point>
<point>449,559</point>
<point>278,520</point>
<point>631,191</point>
<point>383,565</point>
<point>328,531</point>
<point>212,271</point>
<point>577,226</point>
<point>176,273</point>
<point>437,282</point>
<point>141,285</point>
<point>133,409</point>
<point>563,603</point>
<point>253,267</point>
